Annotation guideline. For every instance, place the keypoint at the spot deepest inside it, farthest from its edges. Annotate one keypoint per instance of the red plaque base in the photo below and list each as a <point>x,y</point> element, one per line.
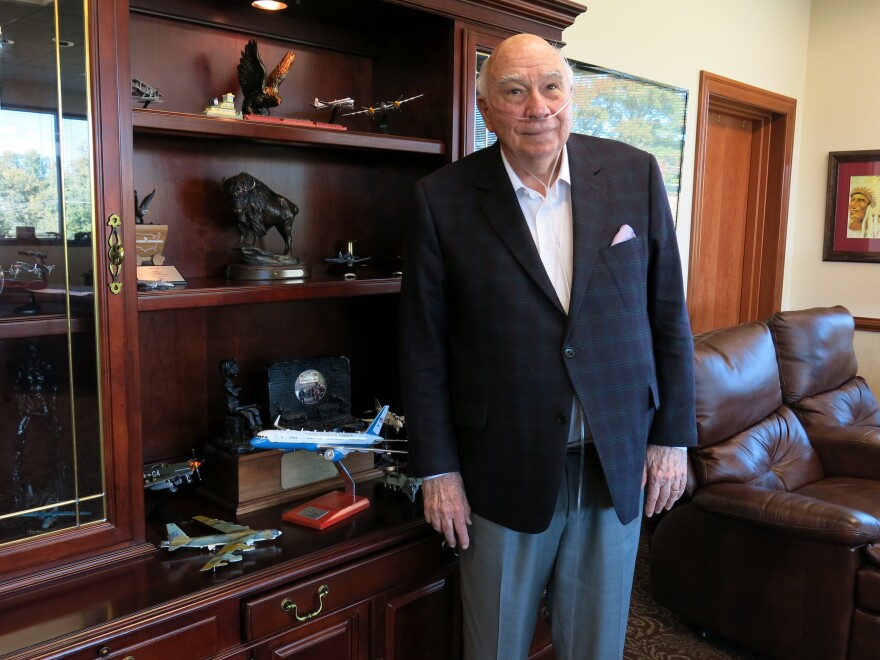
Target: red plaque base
<point>326,510</point>
<point>331,508</point>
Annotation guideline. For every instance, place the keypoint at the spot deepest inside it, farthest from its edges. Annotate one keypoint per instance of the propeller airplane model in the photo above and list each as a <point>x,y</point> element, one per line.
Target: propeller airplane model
<point>335,106</point>
<point>164,476</point>
<point>232,539</point>
<point>347,102</point>
<point>332,445</point>
<point>384,106</point>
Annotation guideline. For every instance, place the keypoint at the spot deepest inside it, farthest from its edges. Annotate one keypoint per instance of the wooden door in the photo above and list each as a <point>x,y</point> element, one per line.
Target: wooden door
<point>717,296</point>
<point>744,149</point>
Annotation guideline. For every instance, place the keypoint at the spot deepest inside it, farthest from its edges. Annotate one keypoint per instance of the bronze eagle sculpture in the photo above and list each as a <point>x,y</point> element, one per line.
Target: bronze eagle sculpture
<point>259,90</point>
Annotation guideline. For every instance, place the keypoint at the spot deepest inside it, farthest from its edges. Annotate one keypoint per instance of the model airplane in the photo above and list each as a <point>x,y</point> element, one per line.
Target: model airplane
<point>233,539</point>
<point>384,106</point>
<point>393,420</point>
<point>333,445</point>
<point>142,92</point>
<point>50,517</point>
<point>335,106</point>
<point>346,258</point>
<point>163,476</point>
<point>347,102</point>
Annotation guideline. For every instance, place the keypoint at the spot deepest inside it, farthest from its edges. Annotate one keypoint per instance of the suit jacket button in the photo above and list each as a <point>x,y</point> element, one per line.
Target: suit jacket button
<point>561,419</point>
<point>568,352</point>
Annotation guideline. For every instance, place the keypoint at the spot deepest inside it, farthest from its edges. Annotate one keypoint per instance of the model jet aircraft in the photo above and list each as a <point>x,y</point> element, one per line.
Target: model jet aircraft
<point>333,445</point>
<point>164,476</point>
<point>233,539</point>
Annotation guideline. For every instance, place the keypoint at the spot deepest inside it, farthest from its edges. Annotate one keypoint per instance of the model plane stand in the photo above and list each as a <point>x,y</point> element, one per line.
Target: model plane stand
<point>330,508</point>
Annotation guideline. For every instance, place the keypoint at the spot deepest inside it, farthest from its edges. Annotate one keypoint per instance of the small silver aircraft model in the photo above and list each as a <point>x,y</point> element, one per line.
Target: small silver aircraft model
<point>337,103</point>
<point>335,106</point>
<point>332,445</point>
<point>163,476</point>
<point>233,538</point>
<point>144,93</point>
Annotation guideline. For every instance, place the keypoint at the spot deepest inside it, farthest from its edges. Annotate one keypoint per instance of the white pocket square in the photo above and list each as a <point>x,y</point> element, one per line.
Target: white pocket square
<point>623,234</point>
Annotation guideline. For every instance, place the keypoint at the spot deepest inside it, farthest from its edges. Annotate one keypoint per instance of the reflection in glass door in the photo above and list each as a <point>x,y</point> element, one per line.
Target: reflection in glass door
<point>50,437</point>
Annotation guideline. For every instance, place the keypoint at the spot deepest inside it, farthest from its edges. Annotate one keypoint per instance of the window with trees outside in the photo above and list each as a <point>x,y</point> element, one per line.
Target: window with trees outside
<point>610,104</point>
<point>37,159</point>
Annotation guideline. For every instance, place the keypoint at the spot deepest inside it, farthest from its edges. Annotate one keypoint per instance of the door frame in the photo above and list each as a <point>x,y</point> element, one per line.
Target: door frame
<point>769,187</point>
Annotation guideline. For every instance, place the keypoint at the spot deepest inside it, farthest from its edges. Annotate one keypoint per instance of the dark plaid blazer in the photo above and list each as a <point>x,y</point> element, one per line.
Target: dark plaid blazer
<point>489,359</point>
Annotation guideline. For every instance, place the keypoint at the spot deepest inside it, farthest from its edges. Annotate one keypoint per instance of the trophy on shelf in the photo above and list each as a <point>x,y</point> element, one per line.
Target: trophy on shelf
<point>223,107</point>
<point>149,244</point>
<point>257,209</point>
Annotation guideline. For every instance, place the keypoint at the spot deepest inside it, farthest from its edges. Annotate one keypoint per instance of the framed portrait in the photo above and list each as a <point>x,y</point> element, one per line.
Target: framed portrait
<point>852,213</point>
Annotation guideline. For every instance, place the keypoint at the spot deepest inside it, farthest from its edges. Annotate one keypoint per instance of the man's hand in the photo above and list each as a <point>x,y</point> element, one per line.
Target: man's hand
<point>666,475</point>
<point>447,509</point>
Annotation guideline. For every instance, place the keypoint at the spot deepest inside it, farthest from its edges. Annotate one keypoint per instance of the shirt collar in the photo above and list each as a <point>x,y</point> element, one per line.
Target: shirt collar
<point>564,173</point>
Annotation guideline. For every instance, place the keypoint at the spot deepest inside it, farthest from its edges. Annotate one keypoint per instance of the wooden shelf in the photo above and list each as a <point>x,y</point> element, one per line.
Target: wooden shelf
<point>181,124</point>
<point>216,292</point>
<point>42,326</point>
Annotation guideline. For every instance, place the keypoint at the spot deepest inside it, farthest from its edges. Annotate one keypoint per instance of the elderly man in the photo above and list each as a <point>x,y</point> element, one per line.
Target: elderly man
<point>546,362</point>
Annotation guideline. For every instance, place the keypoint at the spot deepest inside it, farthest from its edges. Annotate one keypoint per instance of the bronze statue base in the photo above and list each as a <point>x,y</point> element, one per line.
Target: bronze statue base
<point>267,271</point>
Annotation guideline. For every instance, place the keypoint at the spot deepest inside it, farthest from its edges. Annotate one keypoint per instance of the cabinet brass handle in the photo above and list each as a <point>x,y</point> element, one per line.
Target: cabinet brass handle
<point>115,253</point>
<point>289,606</point>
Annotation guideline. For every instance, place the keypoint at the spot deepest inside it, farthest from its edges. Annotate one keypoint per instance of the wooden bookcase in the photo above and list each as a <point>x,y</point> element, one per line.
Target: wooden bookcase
<point>159,351</point>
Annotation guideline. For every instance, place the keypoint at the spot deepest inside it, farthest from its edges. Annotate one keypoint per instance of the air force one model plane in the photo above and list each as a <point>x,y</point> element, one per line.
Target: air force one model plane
<point>333,445</point>
<point>232,537</point>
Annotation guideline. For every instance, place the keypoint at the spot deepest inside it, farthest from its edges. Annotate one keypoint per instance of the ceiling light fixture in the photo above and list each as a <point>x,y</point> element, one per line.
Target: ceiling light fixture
<point>269,5</point>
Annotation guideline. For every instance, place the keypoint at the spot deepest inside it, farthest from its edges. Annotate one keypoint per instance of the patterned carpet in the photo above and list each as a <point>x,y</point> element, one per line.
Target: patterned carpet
<point>654,633</point>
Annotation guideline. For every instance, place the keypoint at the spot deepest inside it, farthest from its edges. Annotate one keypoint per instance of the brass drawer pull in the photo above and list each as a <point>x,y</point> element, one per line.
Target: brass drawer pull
<point>288,605</point>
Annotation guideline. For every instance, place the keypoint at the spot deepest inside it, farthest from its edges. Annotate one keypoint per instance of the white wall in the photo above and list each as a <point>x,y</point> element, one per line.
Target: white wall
<point>797,48</point>
<point>840,114</point>
<point>671,42</point>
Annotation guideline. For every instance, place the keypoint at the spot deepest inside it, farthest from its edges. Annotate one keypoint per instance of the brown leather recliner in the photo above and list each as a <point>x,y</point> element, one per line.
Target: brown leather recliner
<point>818,369</point>
<point>770,551</point>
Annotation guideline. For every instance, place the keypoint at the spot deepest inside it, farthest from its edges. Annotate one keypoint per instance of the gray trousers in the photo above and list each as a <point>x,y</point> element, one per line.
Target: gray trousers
<point>585,560</point>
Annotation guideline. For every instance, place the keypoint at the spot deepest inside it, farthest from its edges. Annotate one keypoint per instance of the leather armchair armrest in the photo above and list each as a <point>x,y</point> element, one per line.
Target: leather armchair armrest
<point>790,514</point>
<point>848,451</point>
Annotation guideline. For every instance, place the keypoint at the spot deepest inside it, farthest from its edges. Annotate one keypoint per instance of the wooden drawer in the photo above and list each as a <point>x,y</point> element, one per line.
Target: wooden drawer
<point>171,639</point>
<point>342,635</point>
<point>331,591</point>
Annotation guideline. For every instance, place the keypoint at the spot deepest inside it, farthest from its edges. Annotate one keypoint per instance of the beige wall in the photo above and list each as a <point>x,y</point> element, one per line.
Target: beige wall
<point>792,47</point>
<point>840,113</point>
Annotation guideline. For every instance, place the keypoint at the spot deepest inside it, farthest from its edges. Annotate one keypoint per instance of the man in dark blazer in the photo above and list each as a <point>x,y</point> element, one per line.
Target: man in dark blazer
<point>546,363</point>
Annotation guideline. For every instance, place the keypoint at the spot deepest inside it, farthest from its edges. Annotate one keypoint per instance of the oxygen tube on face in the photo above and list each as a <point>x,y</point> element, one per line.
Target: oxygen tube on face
<point>528,119</point>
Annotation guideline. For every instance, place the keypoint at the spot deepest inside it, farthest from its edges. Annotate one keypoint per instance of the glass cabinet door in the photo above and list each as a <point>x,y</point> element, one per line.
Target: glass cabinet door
<point>51,472</point>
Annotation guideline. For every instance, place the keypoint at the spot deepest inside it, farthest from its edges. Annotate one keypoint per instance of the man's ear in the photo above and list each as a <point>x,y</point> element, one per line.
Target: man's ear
<point>484,108</point>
